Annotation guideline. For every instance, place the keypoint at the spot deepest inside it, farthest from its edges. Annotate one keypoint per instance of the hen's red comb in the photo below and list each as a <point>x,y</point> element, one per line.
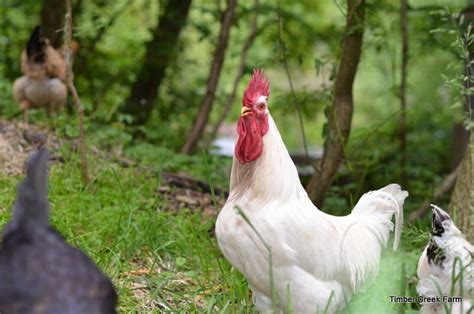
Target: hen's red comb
<point>258,86</point>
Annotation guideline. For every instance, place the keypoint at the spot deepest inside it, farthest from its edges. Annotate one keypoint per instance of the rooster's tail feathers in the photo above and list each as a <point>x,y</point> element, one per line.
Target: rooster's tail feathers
<point>32,196</point>
<point>396,191</point>
<point>386,201</point>
<point>399,195</point>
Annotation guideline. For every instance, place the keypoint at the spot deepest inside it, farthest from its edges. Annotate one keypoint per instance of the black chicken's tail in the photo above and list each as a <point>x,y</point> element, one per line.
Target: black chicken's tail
<point>35,46</point>
<point>32,197</point>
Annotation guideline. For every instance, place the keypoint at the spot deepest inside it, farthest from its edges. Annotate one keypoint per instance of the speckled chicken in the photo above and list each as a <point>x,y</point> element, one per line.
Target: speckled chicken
<point>44,71</point>
<point>39,271</point>
<point>446,251</point>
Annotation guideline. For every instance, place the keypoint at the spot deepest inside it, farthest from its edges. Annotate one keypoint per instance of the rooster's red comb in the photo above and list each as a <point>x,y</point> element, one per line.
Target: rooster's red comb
<point>258,86</point>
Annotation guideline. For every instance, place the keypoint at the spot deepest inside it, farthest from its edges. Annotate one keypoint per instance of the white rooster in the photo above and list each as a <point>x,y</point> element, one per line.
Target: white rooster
<point>446,249</point>
<point>318,260</point>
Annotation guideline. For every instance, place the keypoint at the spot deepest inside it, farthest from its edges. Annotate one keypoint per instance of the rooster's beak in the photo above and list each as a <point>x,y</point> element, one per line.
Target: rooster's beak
<point>245,111</point>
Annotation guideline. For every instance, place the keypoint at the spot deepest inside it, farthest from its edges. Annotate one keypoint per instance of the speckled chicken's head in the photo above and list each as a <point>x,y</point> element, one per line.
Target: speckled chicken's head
<point>440,221</point>
<point>443,229</point>
<point>442,224</point>
<point>253,121</point>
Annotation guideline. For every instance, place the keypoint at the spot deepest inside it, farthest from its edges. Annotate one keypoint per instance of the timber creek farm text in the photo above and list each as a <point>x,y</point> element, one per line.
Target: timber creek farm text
<point>424,299</point>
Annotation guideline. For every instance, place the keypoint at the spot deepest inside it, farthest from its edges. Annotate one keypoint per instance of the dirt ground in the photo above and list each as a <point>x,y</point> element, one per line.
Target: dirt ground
<point>17,140</point>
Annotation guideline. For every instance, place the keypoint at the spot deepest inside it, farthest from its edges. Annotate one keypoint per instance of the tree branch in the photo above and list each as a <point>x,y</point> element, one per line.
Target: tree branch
<point>340,116</point>
<point>213,79</point>
<point>238,77</point>
<point>75,96</point>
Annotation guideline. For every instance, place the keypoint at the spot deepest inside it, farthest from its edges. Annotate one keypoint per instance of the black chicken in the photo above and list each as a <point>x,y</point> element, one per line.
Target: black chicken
<point>39,271</point>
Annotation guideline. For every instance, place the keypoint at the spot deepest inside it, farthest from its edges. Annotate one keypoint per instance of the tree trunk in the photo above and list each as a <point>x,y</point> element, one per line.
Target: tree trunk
<point>52,20</point>
<point>159,52</point>
<point>340,116</point>
<point>462,200</point>
<point>218,60</point>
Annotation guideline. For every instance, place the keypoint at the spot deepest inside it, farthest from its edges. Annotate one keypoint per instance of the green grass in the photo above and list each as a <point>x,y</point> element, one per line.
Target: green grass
<point>157,259</point>
<point>162,260</point>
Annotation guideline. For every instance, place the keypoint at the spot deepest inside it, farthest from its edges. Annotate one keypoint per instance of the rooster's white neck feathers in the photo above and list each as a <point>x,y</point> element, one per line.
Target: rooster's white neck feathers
<point>271,176</point>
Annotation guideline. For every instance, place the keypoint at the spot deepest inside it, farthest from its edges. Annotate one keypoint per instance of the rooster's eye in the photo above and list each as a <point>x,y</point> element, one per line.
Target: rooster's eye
<point>261,106</point>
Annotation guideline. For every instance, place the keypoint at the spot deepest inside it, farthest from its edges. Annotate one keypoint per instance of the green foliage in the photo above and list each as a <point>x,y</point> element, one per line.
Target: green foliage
<point>137,230</point>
